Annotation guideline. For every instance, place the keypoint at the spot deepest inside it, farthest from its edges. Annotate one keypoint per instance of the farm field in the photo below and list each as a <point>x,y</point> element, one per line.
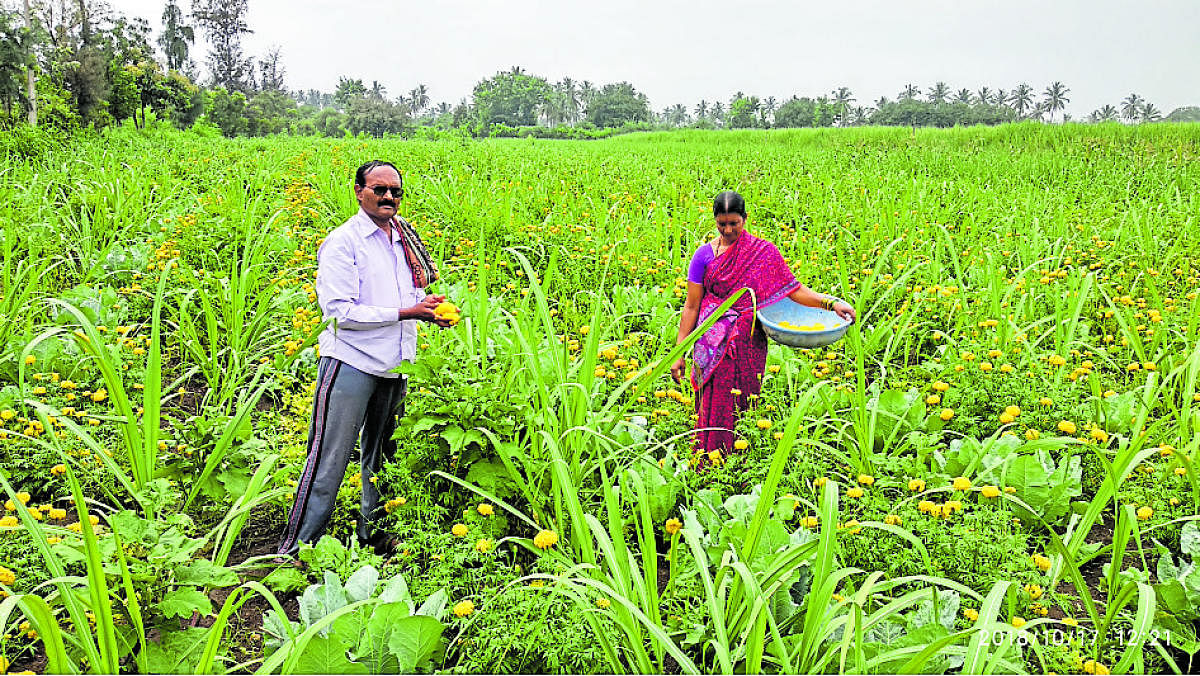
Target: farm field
<point>992,473</point>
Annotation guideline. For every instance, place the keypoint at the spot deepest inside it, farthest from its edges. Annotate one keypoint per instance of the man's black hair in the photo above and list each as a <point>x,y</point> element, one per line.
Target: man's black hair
<point>360,176</point>
<point>729,202</point>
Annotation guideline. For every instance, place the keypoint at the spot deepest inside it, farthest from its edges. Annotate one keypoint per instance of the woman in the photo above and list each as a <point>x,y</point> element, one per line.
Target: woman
<point>728,360</point>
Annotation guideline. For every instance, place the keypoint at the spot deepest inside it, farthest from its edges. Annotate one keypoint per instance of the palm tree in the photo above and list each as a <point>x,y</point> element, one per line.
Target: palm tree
<point>587,92</point>
<point>1000,97</point>
<point>1106,114</point>
<point>842,98</point>
<point>442,108</point>
<point>718,113</point>
<point>677,115</point>
<point>419,98</point>
<point>768,108</point>
<point>570,98</point>
<point>1056,97</point>
<point>1149,113</point>
<point>1021,99</point>
<point>701,109</point>
<point>939,93</point>
<point>1131,107</point>
<point>377,91</point>
<point>910,92</point>
<point>963,96</point>
<point>983,96</point>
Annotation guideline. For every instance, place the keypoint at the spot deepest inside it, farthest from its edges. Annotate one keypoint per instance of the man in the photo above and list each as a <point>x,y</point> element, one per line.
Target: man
<point>371,277</point>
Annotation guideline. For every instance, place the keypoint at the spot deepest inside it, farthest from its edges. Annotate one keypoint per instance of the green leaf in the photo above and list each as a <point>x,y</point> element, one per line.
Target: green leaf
<point>320,600</point>
<point>176,651</point>
<point>183,602</point>
<point>361,584</point>
<point>204,573</point>
<point>372,647</point>
<point>326,554</point>
<point>1189,539</point>
<point>327,655</point>
<point>414,641</point>
<point>286,579</point>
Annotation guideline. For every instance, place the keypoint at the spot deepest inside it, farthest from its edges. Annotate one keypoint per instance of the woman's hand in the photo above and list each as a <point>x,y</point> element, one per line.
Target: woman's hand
<point>845,311</point>
<point>678,369</point>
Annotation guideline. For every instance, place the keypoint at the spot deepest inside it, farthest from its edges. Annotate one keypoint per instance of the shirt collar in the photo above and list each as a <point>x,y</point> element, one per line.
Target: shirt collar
<point>365,227</point>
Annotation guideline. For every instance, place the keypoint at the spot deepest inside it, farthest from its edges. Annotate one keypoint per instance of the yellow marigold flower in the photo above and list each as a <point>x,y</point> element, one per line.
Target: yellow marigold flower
<point>1041,562</point>
<point>940,386</point>
<point>1067,427</point>
<point>777,435</point>
<point>961,483</point>
<point>545,539</point>
<point>971,614</point>
<point>7,577</point>
<point>485,509</point>
<point>58,470</point>
<point>1046,401</point>
<point>1109,393</point>
<point>741,445</point>
<point>1099,435</point>
<point>927,506</point>
<point>916,485</point>
<point>892,519</point>
<point>763,424</point>
<point>1056,360</point>
<point>1018,621</point>
<point>773,368</point>
<point>1070,621</point>
<point>483,545</point>
<point>1014,411</point>
<point>459,530</point>
<point>463,608</point>
<point>866,479</point>
<point>1181,471</point>
<point>1166,450</point>
<point>809,522</point>
<point>1144,513</point>
<point>947,413</point>
<point>954,505</point>
<point>30,359</point>
<point>714,457</point>
<point>990,491</point>
<point>1032,434</point>
<point>1006,418</point>
<point>58,514</point>
<point>1010,489</point>
<point>672,526</point>
<point>855,492</point>
<point>820,481</point>
<point>1034,591</point>
<point>99,395</point>
<point>735,391</point>
<point>933,400</point>
<point>985,366</point>
<point>8,521</point>
<point>603,604</point>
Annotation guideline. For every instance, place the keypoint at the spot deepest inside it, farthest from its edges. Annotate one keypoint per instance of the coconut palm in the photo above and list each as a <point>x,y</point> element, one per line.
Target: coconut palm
<point>1131,107</point>
<point>842,98</point>
<point>939,93</point>
<point>768,109</point>
<point>701,109</point>
<point>377,91</point>
<point>1055,97</point>
<point>570,101</point>
<point>1000,97</point>
<point>718,113</point>
<point>418,98</point>
<point>1106,114</point>
<point>1149,113</point>
<point>963,96</point>
<point>1021,99</point>
<point>983,96</point>
<point>911,91</point>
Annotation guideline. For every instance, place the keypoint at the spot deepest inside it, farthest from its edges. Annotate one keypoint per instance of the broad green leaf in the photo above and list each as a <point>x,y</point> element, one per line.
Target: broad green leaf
<point>414,640</point>
<point>183,602</point>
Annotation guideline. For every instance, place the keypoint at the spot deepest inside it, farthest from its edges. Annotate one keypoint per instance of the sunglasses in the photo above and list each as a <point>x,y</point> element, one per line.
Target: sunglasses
<point>381,190</point>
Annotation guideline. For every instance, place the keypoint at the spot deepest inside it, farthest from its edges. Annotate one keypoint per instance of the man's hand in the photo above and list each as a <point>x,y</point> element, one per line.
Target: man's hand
<point>424,311</point>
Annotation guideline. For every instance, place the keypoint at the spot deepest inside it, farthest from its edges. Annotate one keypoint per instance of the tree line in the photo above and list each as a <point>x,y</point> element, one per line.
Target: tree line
<point>69,64</point>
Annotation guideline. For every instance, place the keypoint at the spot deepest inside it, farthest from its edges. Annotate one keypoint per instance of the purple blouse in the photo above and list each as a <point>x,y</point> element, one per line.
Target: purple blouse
<point>699,264</point>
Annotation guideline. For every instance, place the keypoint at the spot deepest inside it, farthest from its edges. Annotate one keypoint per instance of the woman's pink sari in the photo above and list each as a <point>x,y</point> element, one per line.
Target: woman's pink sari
<point>728,360</point>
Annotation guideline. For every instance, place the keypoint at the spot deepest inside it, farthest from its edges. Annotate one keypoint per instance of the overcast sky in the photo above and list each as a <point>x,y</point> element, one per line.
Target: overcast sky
<point>681,52</point>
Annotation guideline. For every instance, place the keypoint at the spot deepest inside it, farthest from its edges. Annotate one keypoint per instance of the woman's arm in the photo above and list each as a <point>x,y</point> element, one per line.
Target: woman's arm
<point>687,324</point>
<point>810,298</point>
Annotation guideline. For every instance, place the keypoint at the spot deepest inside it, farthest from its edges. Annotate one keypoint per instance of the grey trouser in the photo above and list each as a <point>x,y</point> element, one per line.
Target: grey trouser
<point>346,401</point>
